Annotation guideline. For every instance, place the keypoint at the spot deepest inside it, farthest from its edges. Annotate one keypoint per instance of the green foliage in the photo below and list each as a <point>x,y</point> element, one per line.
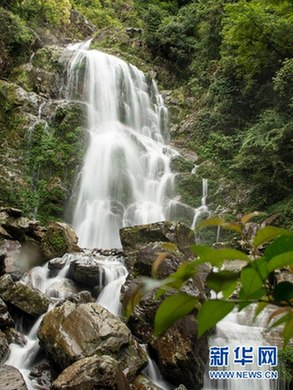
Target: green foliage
<point>256,35</point>
<point>16,43</point>
<point>53,12</point>
<point>252,283</point>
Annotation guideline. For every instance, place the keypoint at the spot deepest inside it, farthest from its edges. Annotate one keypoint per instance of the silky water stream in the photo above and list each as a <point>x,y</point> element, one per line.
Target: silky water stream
<point>125,180</point>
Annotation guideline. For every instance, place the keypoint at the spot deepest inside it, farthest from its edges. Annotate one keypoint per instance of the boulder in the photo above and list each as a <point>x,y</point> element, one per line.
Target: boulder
<point>142,382</point>
<point>133,238</point>
<point>12,378</point>
<point>15,337</point>
<point>10,257</point>
<point>5,318</point>
<point>98,333</point>
<point>86,270</point>
<point>43,373</point>
<point>59,239</point>
<point>95,372</point>
<point>28,299</point>
<point>4,348</point>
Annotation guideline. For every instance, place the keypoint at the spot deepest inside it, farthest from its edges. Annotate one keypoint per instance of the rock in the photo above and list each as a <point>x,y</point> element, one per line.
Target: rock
<point>18,228</point>
<point>13,336</point>
<point>135,237</point>
<point>5,318</point>
<point>12,378</point>
<point>59,239</point>
<point>28,299</point>
<point>9,257</point>
<point>140,262</point>
<point>12,212</point>
<point>86,271</point>
<point>96,372</point>
<point>81,297</point>
<point>181,387</point>
<point>84,26</point>
<point>43,374</point>
<point>98,332</point>
<point>56,264</point>
<point>4,348</point>
<point>142,382</point>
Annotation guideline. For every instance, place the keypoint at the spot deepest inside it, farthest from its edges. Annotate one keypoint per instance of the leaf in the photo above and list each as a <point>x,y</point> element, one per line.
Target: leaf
<point>171,309</point>
<point>280,261</point>
<point>211,313</point>
<point>213,221</point>
<point>259,308</point>
<point>261,267</point>
<point>280,245</point>
<point>247,217</point>
<point>268,233</point>
<point>156,264</point>
<point>223,281</point>
<point>277,312</point>
<point>216,256</point>
<point>283,291</point>
<point>250,280</point>
<point>217,221</point>
<point>288,329</point>
<point>279,322</point>
<point>260,293</point>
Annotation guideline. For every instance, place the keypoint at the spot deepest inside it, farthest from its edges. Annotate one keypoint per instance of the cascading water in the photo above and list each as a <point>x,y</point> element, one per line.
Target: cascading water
<point>126,177</point>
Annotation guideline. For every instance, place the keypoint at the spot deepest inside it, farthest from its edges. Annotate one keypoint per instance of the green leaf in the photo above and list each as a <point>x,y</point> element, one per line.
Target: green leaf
<point>217,221</point>
<point>249,297</point>
<point>288,329</point>
<point>211,313</point>
<point>280,245</point>
<point>260,307</point>
<point>223,281</point>
<point>280,321</point>
<point>283,291</point>
<point>251,281</point>
<point>217,256</point>
<point>280,261</point>
<point>247,217</point>
<point>171,309</point>
<point>261,267</point>
<point>268,233</point>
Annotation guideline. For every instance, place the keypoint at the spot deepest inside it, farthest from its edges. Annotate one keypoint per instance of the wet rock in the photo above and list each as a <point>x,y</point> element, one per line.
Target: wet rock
<point>84,26</point>
<point>4,348</point>
<point>12,212</point>
<point>96,372</point>
<point>5,318</point>
<point>135,237</point>
<point>81,297</point>
<point>85,270</point>
<point>142,382</point>
<point>44,373</point>
<point>59,239</point>
<point>28,299</point>
<point>12,378</point>
<point>13,336</point>
<point>18,228</point>
<point>98,332</point>
<point>57,264</point>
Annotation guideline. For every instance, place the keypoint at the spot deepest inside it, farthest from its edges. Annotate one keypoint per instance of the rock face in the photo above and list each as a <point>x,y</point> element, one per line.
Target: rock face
<point>28,299</point>
<point>142,382</point>
<point>180,355</point>
<point>5,318</point>
<point>98,333</point>
<point>12,378</point>
<point>86,271</point>
<point>96,372</point>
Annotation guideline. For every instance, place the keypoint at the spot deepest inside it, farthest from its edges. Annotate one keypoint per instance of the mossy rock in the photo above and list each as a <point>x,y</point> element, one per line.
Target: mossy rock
<point>59,239</point>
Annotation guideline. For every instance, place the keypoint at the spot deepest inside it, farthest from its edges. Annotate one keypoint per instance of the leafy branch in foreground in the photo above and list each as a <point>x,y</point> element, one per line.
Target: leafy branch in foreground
<point>251,281</point>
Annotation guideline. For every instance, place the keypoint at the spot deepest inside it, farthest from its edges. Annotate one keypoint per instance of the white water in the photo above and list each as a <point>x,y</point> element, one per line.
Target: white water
<point>126,178</point>
<point>236,330</point>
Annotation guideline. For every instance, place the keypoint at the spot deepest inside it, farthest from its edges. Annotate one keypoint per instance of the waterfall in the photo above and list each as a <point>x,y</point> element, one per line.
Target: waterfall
<point>126,177</point>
